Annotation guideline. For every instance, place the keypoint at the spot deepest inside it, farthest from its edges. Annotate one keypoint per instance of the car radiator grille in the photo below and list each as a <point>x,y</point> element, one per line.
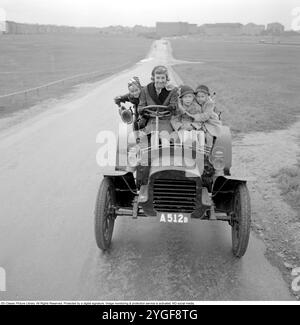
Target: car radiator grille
<point>170,195</point>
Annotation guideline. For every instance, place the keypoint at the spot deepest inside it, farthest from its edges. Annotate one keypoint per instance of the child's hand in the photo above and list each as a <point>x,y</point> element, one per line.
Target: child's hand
<point>117,100</point>
<point>180,107</point>
<point>140,110</point>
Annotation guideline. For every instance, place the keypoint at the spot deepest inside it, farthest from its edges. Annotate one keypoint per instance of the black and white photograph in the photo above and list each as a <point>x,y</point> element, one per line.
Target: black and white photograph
<point>149,153</point>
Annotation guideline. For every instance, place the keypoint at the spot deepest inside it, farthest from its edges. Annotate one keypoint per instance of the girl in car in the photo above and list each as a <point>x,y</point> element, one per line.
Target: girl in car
<point>208,117</point>
<point>196,113</point>
<point>133,97</point>
<point>185,120</point>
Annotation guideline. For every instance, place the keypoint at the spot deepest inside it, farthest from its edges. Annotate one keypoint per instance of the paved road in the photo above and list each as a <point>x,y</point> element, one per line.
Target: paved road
<point>48,184</point>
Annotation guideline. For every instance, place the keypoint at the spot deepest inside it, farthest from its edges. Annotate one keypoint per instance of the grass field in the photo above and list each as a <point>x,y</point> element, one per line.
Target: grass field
<point>28,61</point>
<point>257,85</point>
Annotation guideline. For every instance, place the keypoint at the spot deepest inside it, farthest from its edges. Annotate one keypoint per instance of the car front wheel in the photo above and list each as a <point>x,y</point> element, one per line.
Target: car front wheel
<point>105,214</point>
<point>241,220</point>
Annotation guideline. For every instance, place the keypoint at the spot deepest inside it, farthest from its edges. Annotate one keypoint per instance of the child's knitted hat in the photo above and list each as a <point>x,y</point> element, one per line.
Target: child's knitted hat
<point>202,89</point>
<point>184,90</point>
<point>135,81</point>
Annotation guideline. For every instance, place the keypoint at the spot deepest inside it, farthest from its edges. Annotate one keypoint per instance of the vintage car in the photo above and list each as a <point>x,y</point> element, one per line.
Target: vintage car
<point>174,182</point>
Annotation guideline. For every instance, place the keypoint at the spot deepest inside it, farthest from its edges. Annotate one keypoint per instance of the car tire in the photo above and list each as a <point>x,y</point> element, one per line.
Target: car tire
<point>105,214</point>
<point>241,222</point>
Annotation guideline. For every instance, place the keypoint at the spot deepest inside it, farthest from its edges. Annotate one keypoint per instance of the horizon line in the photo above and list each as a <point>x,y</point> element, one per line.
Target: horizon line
<point>147,26</point>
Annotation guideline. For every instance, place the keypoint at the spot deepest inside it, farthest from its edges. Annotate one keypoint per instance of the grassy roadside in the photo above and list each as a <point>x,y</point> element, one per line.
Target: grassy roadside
<point>289,184</point>
<point>28,61</point>
<point>288,180</point>
<point>256,84</point>
<point>257,90</point>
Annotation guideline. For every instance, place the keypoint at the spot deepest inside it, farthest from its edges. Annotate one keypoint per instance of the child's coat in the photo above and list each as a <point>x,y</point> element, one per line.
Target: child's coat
<point>197,117</point>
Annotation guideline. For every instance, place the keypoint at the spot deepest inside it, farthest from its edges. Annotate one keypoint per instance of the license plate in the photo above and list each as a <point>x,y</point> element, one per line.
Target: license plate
<point>173,217</point>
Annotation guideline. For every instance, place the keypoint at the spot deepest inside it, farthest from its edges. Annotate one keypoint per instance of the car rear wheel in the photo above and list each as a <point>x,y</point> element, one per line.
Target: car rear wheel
<point>241,221</point>
<point>105,214</point>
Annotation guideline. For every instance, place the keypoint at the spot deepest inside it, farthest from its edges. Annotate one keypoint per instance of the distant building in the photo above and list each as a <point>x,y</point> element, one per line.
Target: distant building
<point>11,27</point>
<point>275,28</point>
<point>138,29</point>
<point>165,29</point>
<point>192,28</point>
<point>2,27</point>
<point>116,30</point>
<point>172,28</point>
<point>18,28</point>
<point>222,29</point>
<point>2,21</point>
<point>253,29</point>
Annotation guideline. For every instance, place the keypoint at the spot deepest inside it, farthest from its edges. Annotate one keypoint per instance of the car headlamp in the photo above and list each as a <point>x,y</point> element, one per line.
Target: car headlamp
<point>218,161</point>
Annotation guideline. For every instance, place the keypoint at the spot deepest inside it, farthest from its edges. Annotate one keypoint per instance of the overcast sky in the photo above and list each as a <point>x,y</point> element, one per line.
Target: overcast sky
<point>131,12</point>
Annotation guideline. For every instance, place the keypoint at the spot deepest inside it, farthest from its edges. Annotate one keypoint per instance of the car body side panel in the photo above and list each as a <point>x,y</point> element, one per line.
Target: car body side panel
<point>224,142</point>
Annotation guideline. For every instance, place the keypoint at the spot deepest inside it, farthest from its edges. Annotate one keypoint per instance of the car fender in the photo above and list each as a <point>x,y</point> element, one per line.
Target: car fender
<point>226,183</point>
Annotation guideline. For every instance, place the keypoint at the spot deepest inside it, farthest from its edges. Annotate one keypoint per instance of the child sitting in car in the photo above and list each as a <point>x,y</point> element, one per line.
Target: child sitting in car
<point>185,120</point>
<point>208,117</point>
<point>133,97</point>
<point>196,113</point>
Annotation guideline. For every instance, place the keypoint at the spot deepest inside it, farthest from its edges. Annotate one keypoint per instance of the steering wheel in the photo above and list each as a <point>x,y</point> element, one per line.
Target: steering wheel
<point>156,111</point>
